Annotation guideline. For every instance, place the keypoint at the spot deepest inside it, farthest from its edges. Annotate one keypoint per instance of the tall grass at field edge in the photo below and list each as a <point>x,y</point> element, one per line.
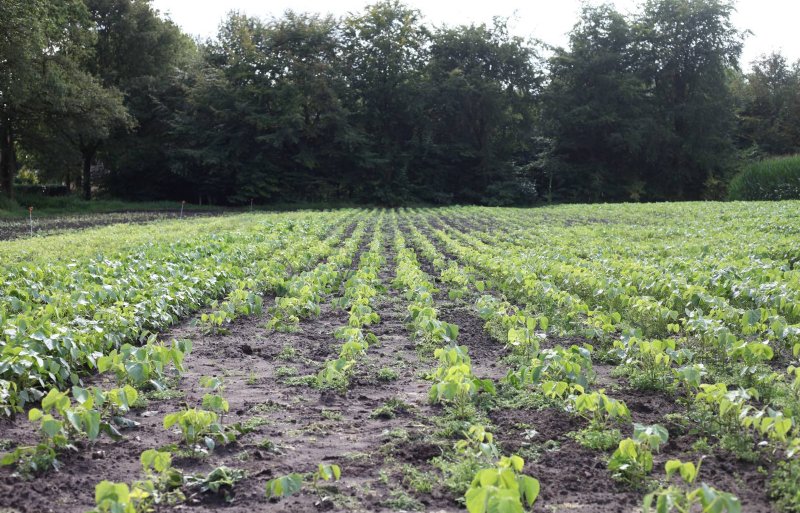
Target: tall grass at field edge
<point>769,179</point>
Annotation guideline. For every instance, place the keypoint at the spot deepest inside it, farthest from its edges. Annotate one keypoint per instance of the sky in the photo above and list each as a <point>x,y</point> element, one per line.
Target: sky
<point>773,23</point>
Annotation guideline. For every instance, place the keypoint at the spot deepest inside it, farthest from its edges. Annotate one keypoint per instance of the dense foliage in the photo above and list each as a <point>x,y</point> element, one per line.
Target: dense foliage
<point>769,179</point>
<point>380,107</point>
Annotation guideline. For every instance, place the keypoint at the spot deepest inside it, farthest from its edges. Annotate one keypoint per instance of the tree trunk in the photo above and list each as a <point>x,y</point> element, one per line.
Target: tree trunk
<point>7,158</point>
<point>88,158</point>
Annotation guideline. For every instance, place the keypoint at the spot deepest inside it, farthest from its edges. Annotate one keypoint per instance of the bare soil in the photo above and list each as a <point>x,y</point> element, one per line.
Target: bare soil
<point>20,228</point>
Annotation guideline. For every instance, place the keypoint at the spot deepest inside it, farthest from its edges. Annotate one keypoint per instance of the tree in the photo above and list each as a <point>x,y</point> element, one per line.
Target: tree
<point>385,51</point>
<point>482,87</point>
<point>688,49</point>
<point>641,108</point>
<point>146,57</point>
<point>85,114</point>
<point>264,116</point>
<point>46,93</point>
<point>36,37</point>
<point>769,115</point>
<point>595,110</point>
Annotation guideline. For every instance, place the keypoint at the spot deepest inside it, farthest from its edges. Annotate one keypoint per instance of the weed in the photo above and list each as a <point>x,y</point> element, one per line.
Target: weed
<point>301,381</point>
<point>265,407</point>
<point>390,409</point>
<point>534,451</point>
<point>254,422</point>
<point>740,445</point>
<point>399,500</point>
<point>598,440</point>
<point>416,480</point>
<point>333,415</point>
<point>267,445</point>
<point>458,473</point>
<point>702,446</point>
<point>287,354</point>
<point>387,375</point>
<point>285,371</point>
<point>783,489</point>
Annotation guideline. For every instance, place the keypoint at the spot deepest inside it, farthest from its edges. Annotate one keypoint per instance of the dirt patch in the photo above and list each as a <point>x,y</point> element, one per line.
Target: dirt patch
<point>16,228</point>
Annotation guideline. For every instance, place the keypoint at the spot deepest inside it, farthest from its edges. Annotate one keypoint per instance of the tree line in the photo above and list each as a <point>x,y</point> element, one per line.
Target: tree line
<point>380,107</point>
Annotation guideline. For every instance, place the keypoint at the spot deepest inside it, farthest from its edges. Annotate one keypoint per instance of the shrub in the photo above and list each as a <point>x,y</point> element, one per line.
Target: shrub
<point>770,179</point>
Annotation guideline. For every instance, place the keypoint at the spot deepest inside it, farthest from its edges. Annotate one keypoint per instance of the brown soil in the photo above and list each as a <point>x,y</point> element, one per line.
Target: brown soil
<point>16,228</point>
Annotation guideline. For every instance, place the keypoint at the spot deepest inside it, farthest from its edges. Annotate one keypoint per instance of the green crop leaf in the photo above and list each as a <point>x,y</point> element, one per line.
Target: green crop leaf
<point>284,486</point>
<point>160,461</point>
<point>476,499</point>
<point>529,489</point>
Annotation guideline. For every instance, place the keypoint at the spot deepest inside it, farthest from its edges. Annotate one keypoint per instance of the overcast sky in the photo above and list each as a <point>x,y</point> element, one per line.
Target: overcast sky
<point>773,23</point>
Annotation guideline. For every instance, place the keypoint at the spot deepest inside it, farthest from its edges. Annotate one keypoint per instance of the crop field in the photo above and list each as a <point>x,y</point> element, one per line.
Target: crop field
<point>606,358</point>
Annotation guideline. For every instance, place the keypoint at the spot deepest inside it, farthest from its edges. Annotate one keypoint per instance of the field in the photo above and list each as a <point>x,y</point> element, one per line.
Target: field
<point>570,358</point>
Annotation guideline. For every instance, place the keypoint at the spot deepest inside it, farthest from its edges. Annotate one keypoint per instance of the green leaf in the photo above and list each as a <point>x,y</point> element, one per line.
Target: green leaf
<point>160,461</point>
<point>529,488</point>
<point>106,492</point>
<point>104,363</point>
<point>81,395</point>
<point>476,499</point>
<point>51,426</point>
<point>172,419</point>
<point>91,420</point>
<point>284,486</point>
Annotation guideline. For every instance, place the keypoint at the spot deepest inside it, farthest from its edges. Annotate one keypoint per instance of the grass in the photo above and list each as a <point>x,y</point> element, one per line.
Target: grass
<point>769,179</point>
<point>390,409</point>
<point>45,206</point>
<point>54,206</point>
<point>598,440</point>
<point>387,374</point>
<point>783,489</point>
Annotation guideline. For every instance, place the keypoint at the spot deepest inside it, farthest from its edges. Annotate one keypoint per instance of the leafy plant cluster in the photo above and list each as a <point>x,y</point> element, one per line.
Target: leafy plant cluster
<point>683,498</point>
<point>58,318</point>
<point>67,418</point>
<point>301,295</point>
<point>163,485</point>
<point>733,320</point>
<point>290,484</point>
<point>454,381</point>
<point>203,428</point>
<point>268,274</point>
<point>459,279</point>
<point>360,291</point>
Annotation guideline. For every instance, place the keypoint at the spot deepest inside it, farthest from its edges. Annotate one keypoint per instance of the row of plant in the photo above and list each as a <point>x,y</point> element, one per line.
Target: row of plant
<point>301,295</point>
<point>682,352</point>
<point>269,274</point>
<point>563,375</point>
<point>202,429</point>
<point>361,290</point>
<point>673,361</point>
<point>654,296</point>
<point>57,320</point>
<point>706,340</point>
<point>747,292</point>
<point>498,482</point>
